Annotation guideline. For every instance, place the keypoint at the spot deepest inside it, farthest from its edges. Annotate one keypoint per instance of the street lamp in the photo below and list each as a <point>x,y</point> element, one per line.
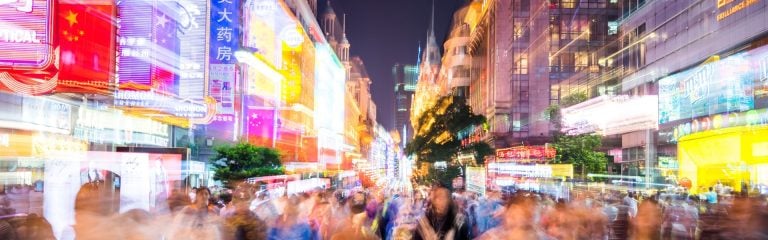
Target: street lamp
<point>271,73</point>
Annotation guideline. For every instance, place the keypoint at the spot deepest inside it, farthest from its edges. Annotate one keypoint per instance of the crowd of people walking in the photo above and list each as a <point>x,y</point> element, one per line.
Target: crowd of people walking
<point>426,213</point>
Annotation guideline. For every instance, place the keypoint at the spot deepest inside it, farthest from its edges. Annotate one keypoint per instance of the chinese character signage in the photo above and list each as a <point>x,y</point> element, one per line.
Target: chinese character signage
<point>526,153</point>
<point>224,31</point>
<point>87,45</point>
<point>222,87</point>
<point>25,34</point>
<point>149,45</point>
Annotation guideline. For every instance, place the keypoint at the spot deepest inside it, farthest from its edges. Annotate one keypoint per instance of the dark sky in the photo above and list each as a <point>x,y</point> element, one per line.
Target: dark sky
<point>383,32</point>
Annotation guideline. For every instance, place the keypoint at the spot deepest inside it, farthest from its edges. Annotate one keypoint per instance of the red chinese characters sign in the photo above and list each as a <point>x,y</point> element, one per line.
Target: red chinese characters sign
<point>526,153</point>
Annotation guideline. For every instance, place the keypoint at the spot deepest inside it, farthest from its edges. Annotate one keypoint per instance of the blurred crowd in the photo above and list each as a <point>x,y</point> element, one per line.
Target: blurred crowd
<point>426,213</point>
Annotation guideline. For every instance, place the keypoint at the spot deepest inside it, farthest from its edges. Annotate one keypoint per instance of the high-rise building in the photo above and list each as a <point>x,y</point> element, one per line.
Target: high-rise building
<point>405,77</point>
<point>526,49</point>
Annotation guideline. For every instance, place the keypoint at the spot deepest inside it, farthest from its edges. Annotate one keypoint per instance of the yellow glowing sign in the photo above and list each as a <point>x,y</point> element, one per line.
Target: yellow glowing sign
<point>743,4</point>
<point>291,85</point>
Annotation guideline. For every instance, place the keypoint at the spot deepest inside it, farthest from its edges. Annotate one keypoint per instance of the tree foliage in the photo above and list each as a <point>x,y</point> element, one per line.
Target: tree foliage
<point>243,160</point>
<point>552,113</point>
<point>573,99</point>
<point>443,175</point>
<point>436,135</point>
<point>581,151</point>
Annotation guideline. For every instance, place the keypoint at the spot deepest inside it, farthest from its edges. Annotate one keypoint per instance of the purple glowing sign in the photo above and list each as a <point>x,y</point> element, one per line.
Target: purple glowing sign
<point>149,45</point>
<point>25,34</point>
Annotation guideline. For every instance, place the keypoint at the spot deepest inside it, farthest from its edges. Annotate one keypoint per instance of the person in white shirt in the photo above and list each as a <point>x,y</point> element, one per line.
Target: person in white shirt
<point>631,203</point>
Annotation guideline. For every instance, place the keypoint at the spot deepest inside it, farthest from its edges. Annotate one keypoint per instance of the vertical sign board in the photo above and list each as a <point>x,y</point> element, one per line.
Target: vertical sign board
<point>192,28</point>
<point>476,180</point>
<point>224,41</point>
<point>86,34</point>
<point>150,56</point>
<point>25,34</point>
<point>135,41</point>
<point>25,43</point>
<point>224,31</point>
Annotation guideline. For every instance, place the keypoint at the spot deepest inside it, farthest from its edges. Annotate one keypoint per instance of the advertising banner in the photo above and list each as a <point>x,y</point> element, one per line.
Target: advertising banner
<point>261,126</point>
<point>476,180</point>
<point>149,45</point>
<point>151,59</point>
<point>193,52</point>
<point>45,112</point>
<point>225,20</point>
<point>140,179</point>
<point>26,46</point>
<point>717,87</point>
<point>87,46</point>
<point>526,153</point>
<point>222,87</point>
<point>25,34</point>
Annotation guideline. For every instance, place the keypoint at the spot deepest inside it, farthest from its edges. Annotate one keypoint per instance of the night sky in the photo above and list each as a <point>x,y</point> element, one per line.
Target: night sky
<point>383,32</point>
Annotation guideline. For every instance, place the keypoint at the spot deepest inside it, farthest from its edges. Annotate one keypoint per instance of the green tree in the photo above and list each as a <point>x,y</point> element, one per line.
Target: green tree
<point>552,113</point>
<point>581,151</point>
<point>436,134</point>
<point>443,175</point>
<point>236,163</point>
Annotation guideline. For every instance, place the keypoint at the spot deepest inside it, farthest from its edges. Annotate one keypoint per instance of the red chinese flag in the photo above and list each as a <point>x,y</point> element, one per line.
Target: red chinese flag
<point>86,31</point>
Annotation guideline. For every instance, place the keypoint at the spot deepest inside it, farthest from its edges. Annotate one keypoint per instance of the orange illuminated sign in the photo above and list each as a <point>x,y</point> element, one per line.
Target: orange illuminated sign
<point>734,9</point>
<point>15,144</point>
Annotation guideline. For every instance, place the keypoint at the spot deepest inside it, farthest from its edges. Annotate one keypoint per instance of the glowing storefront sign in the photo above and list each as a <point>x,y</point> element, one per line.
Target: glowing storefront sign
<point>717,87</point>
<point>49,113</point>
<point>98,126</point>
<point>476,180</point>
<point>329,104</point>
<point>727,12</point>
<point>87,45</point>
<point>222,88</point>
<point>225,20</point>
<point>149,49</point>
<point>25,33</point>
<point>191,22</point>
<point>526,153</point>
<point>609,115</point>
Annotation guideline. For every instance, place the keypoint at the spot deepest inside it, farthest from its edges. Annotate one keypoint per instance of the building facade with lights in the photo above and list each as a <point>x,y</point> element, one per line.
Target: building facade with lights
<point>524,60</point>
<point>427,88</point>
<point>705,61</point>
<point>405,77</point>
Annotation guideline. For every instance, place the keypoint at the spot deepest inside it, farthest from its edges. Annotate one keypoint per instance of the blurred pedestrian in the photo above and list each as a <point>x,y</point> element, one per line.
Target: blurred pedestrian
<point>442,220</point>
<point>197,220</point>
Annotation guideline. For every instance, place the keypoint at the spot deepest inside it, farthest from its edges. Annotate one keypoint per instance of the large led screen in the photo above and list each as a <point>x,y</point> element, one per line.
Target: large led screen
<point>25,34</point>
<point>712,88</point>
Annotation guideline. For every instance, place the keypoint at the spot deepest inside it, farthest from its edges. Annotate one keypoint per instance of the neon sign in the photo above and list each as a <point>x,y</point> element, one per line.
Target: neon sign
<point>25,35</point>
<point>224,23</point>
<point>192,18</point>
<point>87,46</point>
<point>734,9</point>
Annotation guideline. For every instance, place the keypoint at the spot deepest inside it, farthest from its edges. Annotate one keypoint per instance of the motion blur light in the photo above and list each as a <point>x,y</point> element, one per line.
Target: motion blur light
<point>260,65</point>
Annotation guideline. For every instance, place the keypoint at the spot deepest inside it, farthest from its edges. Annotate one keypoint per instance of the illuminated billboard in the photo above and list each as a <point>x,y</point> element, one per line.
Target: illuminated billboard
<point>261,126</point>
<point>717,87</point>
<point>26,34</point>
<point>192,28</point>
<point>329,104</point>
<point>87,46</point>
<point>26,45</point>
<point>149,45</point>
<point>151,57</point>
